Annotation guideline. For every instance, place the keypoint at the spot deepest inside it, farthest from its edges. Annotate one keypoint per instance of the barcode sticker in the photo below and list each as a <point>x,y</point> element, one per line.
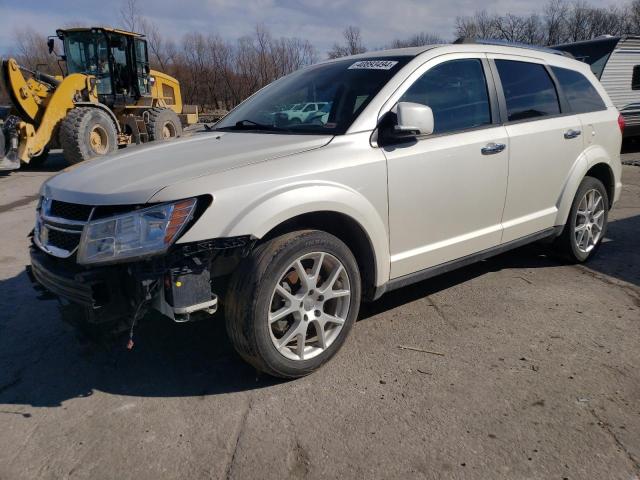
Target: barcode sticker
<point>373,65</point>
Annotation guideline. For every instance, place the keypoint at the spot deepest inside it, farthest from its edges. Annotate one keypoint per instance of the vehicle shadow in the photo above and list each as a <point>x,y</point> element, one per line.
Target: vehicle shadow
<point>43,361</point>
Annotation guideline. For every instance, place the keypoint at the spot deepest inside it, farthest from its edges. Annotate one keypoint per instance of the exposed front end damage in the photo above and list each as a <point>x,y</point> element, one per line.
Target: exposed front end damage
<point>183,284</point>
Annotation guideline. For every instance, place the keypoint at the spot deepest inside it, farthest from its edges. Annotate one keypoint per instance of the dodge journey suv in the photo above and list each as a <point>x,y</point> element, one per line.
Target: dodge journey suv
<point>428,159</point>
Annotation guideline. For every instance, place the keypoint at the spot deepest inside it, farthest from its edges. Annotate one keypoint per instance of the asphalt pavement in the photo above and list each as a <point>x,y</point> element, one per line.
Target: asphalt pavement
<point>533,374</point>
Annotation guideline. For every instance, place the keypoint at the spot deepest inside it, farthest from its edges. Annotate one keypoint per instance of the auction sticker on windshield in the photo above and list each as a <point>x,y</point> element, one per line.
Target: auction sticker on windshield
<point>373,65</point>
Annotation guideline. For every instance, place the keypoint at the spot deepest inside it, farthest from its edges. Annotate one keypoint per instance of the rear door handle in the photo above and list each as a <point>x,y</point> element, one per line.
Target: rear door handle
<point>569,134</point>
<point>493,148</point>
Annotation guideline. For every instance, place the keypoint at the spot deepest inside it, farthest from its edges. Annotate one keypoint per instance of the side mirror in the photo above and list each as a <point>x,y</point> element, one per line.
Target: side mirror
<point>50,45</point>
<point>413,119</point>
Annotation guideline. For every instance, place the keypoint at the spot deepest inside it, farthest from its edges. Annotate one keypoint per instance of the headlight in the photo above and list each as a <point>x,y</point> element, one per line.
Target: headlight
<point>139,233</point>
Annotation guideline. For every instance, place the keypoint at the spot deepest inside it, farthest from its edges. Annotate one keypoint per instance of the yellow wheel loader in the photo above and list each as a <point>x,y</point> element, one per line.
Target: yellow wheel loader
<point>109,98</point>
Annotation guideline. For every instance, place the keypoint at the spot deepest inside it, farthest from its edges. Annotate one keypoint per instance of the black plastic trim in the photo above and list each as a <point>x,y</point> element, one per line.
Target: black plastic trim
<point>463,262</point>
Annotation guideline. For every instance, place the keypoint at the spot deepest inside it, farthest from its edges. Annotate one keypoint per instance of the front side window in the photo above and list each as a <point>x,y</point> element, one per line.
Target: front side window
<point>528,90</point>
<point>346,85</point>
<point>456,92</point>
<point>579,91</point>
<point>88,53</point>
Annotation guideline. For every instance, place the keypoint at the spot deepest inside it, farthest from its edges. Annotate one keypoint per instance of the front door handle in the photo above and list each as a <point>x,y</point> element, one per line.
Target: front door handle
<point>493,148</point>
<point>569,134</point>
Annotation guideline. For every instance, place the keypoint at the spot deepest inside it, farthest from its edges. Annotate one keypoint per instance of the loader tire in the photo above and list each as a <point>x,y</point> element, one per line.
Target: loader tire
<point>86,133</point>
<point>163,124</point>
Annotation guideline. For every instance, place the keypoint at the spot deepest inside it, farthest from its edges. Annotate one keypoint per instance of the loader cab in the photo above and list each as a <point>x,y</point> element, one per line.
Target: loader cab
<point>117,59</point>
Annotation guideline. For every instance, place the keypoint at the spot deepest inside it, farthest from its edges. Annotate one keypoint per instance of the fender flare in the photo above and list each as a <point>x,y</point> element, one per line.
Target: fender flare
<point>588,159</point>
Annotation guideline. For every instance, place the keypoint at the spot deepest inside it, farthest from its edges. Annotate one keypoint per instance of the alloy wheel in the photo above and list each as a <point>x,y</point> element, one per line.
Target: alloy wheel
<point>589,221</point>
<point>309,306</point>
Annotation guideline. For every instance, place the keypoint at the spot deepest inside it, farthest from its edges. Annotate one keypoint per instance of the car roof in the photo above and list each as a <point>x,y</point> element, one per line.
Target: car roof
<point>542,53</point>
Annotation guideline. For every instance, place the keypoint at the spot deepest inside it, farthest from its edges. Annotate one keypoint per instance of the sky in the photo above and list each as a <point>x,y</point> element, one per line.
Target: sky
<point>320,21</point>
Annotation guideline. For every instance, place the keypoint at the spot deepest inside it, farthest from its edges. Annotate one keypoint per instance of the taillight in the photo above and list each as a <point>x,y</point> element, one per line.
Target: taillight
<point>621,123</point>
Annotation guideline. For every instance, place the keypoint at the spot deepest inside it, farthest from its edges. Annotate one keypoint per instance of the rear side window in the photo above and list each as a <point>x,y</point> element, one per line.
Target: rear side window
<point>528,90</point>
<point>635,79</point>
<point>580,93</point>
<point>456,91</point>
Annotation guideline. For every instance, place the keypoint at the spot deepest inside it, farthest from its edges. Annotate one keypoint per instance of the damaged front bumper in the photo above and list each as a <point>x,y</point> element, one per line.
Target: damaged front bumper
<point>180,284</point>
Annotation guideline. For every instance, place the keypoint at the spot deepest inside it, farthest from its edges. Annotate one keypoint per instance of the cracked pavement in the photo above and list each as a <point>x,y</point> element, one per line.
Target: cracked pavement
<point>539,378</point>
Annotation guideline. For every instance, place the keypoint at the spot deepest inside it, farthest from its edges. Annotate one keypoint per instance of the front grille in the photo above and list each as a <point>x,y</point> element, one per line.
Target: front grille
<point>59,226</point>
<point>63,240</point>
<point>70,211</point>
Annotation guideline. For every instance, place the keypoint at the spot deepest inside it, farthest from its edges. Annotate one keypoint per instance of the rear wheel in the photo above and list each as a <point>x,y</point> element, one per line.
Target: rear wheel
<point>87,133</point>
<point>163,124</point>
<point>293,301</point>
<point>587,222</point>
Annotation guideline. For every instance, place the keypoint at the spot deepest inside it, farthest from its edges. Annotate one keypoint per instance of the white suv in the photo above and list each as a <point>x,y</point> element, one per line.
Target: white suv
<point>430,158</point>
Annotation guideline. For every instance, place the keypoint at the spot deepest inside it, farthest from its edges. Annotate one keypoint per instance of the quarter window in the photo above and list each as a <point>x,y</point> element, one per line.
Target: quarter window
<point>579,91</point>
<point>456,91</point>
<point>528,90</point>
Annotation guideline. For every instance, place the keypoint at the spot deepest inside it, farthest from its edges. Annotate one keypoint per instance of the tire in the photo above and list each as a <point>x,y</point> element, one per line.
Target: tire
<point>567,244</point>
<point>86,133</point>
<point>163,124</point>
<point>251,298</point>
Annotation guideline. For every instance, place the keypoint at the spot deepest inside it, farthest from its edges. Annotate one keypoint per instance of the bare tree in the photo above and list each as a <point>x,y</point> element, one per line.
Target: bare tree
<point>481,25</point>
<point>130,15</point>
<point>31,51</point>
<point>353,44</point>
<point>559,22</point>
<point>162,51</point>
<point>417,40</point>
<point>555,14</point>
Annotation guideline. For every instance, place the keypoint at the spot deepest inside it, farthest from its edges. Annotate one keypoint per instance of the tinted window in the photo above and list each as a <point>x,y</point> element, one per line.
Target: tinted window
<point>635,80</point>
<point>456,91</point>
<point>582,96</point>
<point>528,89</point>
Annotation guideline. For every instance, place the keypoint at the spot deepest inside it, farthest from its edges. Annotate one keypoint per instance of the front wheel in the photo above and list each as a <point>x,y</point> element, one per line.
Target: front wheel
<point>86,133</point>
<point>587,222</point>
<point>292,302</point>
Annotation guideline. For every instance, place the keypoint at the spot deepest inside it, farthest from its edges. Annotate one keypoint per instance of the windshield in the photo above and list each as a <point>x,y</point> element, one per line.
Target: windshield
<point>344,87</point>
<point>88,53</point>
<point>595,53</point>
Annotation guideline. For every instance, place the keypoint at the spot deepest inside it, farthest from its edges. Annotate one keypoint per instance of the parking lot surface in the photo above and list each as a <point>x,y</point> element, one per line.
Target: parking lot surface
<point>529,369</point>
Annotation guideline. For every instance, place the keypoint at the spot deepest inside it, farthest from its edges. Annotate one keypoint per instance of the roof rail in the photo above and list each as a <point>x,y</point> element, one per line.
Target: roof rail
<point>507,43</point>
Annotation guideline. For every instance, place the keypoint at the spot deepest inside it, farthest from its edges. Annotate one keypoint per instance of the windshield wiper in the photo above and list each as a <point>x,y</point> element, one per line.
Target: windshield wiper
<point>251,125</point>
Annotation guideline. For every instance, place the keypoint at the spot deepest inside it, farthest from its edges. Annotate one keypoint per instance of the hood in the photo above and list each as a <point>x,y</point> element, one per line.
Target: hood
<point>134,176</point>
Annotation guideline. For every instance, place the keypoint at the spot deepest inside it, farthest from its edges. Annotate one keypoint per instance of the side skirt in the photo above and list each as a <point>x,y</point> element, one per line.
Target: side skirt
<point>464,261</point>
